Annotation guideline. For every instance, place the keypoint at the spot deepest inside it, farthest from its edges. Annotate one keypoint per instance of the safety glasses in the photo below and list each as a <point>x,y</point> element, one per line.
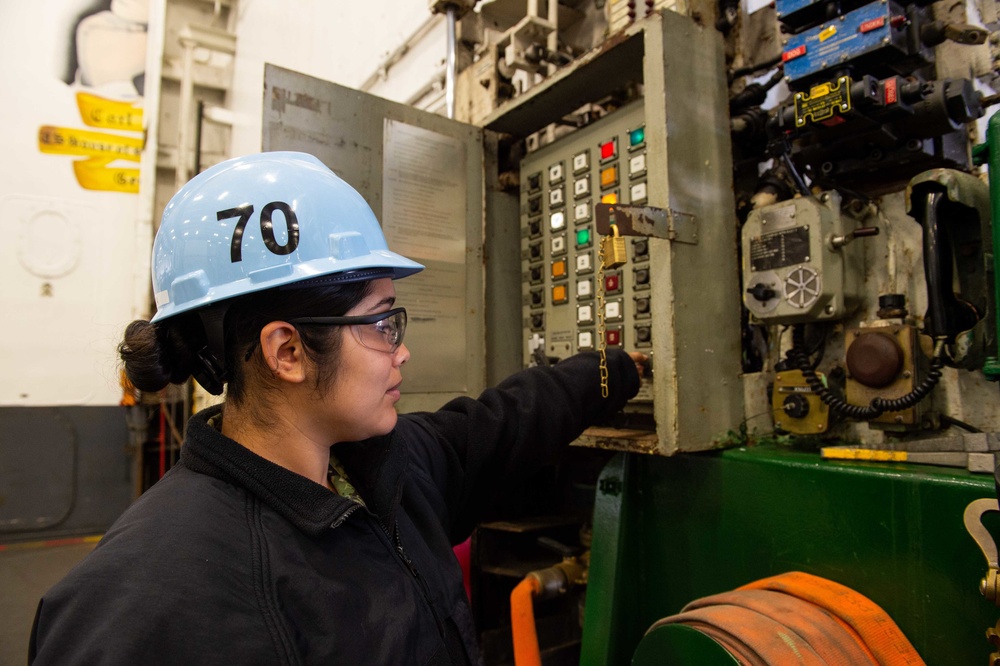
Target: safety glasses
<point>382,331</point>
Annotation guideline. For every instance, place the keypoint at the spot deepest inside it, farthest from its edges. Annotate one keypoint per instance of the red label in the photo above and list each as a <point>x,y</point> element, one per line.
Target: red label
<point>874,24</point>
<point>890,91</point>
<point>794,53</point>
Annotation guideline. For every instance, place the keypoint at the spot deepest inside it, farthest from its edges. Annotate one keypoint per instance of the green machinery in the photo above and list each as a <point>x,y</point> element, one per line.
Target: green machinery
<point>670,530</point>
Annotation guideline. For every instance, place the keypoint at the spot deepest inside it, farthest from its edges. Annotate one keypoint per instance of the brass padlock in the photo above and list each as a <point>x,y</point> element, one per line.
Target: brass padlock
<point>613,249</point>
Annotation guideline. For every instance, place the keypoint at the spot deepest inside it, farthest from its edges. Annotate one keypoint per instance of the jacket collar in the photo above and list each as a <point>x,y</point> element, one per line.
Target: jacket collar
<point>375,468</point>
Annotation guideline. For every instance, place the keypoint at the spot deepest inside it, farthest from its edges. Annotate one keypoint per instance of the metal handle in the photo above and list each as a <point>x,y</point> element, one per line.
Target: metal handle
<point>973,518</point>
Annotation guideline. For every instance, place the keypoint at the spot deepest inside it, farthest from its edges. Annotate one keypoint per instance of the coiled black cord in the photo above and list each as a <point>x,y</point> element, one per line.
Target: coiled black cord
<point>878,406</point>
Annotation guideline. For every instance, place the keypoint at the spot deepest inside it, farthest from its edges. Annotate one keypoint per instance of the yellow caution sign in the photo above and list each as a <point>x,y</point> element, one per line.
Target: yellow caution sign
<point>109,113</point>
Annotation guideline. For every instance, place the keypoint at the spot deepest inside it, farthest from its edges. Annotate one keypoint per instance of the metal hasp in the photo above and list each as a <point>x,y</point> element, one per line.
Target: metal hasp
<point>671,530</point>
<point>989,153</point>
<point>697,390</point>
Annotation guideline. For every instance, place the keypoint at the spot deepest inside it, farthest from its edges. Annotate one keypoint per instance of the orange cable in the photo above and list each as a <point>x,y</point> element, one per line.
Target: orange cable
<point>522,619</point>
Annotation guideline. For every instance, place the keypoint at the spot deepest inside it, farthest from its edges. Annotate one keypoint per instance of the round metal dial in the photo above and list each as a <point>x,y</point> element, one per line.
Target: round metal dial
<point>802,287</point>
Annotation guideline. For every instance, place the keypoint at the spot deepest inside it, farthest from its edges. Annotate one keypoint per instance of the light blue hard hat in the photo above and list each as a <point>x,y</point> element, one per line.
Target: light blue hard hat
<point>262,221</point>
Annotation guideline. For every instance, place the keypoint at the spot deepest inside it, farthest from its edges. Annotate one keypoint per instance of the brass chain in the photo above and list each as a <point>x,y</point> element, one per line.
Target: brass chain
<point>601,342</point>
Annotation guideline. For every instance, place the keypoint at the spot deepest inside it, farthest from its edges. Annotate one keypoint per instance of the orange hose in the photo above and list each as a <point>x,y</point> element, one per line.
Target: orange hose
<point>797,618</point>
<point>878,632</point>
<point>522,620</point>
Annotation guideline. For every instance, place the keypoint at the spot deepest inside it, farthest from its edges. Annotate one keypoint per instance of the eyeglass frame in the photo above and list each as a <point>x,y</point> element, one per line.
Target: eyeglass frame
<point>346,320</point>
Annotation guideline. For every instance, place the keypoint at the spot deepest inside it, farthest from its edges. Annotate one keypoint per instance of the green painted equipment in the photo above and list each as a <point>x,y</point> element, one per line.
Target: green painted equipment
<point>670,530</point>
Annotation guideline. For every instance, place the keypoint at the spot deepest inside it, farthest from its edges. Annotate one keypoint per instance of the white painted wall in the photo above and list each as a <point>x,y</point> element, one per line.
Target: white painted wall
<point>67,260</point>
<point>339,41</point>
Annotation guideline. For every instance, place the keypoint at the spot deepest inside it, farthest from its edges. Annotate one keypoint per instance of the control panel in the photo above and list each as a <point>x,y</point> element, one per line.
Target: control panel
<point>560,259</point>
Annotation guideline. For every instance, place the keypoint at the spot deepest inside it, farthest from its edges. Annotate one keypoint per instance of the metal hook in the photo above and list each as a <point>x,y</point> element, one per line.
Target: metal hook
<point>973,518</point>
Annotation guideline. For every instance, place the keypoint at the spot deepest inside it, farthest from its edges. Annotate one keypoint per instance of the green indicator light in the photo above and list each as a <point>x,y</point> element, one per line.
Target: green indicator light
<point>636,136</point>
<point>583,237</point>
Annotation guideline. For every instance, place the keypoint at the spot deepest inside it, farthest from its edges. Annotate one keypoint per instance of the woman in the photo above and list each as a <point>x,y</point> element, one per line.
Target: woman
<point>305,521</point>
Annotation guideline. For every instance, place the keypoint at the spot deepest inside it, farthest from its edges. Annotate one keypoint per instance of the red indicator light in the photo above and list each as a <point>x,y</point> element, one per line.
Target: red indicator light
<point>609,149</point>
<point>873,24</point>
<point>793,53</point>
<point>613,336</point>
<point>611,283</point>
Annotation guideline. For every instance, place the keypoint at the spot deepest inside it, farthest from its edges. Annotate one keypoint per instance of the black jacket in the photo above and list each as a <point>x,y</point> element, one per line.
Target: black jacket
<point>231,559</point>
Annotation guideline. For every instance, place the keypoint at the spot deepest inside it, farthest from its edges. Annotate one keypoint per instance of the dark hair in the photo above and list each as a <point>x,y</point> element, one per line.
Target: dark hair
<point>166,352</point>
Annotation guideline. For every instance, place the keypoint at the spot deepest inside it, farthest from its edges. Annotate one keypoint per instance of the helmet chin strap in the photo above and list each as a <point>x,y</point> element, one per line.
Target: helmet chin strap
<point>212,374</point>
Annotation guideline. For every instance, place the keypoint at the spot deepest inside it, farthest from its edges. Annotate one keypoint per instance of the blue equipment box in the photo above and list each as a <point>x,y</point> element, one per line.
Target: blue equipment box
<point>875,36</point>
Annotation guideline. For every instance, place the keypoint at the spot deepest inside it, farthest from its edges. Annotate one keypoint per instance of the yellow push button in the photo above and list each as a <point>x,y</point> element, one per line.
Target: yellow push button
<point>609,176</point>
<point>559,269</point>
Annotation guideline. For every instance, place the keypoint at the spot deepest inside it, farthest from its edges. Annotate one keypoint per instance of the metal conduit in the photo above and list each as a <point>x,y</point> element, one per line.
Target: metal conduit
<point>451,64</point>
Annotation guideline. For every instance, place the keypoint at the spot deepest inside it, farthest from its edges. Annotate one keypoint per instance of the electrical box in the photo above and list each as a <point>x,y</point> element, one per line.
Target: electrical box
<point>798,262</point>
<point>677,297</point>
<point>871,36</point>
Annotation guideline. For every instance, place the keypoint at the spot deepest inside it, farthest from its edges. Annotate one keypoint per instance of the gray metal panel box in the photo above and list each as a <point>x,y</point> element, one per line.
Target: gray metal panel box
<point>698,390</point>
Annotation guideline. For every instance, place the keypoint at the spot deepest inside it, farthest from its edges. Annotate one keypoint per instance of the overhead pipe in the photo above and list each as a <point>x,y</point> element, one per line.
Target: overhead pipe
<point>451,63</point>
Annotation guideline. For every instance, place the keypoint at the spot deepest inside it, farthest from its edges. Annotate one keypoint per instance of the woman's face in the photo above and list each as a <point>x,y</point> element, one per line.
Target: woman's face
<point>361,402</point>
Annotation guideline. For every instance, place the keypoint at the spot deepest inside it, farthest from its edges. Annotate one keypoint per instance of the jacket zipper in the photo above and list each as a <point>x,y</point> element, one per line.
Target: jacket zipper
<point>347,512</point>
<point>394,540</point>
<point>398,543</point>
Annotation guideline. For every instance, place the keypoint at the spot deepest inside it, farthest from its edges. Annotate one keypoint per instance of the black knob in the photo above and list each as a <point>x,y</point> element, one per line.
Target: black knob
<point>761,292</point>
<point>892,306</point>
<point>796,406</point>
